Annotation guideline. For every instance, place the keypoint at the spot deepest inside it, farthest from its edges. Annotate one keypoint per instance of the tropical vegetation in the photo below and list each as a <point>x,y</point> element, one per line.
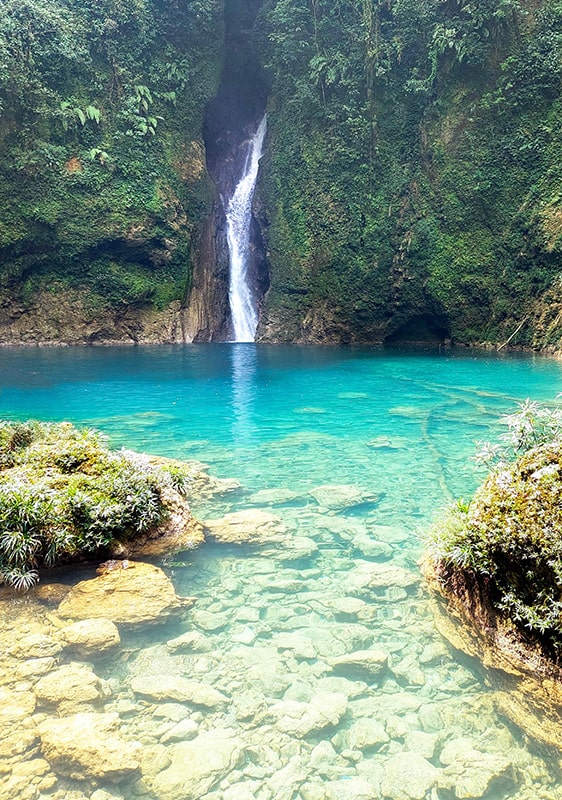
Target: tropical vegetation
<point>507,541</point>
<point>66,496</point>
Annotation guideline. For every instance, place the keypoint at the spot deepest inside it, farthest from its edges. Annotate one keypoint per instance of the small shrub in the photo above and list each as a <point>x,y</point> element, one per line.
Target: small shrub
<point>64,495</point>
<point>509,537</point>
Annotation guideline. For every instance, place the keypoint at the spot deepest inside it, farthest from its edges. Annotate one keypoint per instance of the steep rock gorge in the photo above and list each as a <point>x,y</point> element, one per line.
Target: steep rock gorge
<point>231,119</point>
<point>410,190</point>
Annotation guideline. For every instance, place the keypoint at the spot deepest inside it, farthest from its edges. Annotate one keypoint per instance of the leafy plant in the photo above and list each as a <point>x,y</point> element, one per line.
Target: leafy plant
<point>65,495</point>
<point>509,537</point>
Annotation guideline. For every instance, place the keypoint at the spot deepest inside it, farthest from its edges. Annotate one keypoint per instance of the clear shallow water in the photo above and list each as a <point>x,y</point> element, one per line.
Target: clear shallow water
<point>400,428</point>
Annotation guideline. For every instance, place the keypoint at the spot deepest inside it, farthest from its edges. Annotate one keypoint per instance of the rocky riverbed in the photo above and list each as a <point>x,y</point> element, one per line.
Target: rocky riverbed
<point>292,657</point>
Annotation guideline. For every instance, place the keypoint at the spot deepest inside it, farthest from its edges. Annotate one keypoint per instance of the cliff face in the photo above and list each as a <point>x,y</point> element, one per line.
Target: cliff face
<point>410,189</point>
<point>103,181</point>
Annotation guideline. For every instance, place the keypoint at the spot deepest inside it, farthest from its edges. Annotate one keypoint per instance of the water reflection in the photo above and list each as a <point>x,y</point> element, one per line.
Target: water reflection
<point>244,365</point>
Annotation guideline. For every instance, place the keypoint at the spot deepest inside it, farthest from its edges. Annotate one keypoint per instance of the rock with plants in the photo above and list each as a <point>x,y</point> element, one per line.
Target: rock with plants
<point>497,560</point>
<point>66,496</point>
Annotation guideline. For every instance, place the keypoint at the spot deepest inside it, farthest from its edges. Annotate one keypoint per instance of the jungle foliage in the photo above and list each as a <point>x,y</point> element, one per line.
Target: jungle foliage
<point>413,163</point>
<point>102,175</point>
<point>64,495</point>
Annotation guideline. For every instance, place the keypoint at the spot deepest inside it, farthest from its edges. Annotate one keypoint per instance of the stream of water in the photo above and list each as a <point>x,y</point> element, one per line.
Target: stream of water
<point>390,434</point>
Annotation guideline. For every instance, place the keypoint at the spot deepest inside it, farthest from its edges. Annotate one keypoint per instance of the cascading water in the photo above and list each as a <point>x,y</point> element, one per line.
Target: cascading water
<point>243,303</point>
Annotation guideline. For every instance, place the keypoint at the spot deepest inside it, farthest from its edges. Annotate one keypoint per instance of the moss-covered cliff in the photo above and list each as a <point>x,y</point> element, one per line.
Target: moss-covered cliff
<point>413,184</point>
<point>411,187</point>
<point>103,185</point>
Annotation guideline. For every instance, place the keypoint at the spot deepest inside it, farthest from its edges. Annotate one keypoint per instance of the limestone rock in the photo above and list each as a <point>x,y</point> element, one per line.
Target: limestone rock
<point>350,789</point>
<point>35,667</point>
<point>366,733</point>
<point>88,746</point>
<point>299,719</point>
<point>15,706</point>
<point>372,548</point>
<point>251,526</point>
<point>361,664</point>
<point>470,773</point>
<point>36,645</point>
<point>340,496</point>
<point>171,687</point>
<point>191,641</point>
<point>273,497</point>
<point>195,766</point>
<point>91,637</point>
<point>69,686</point>
<point>408,776</point>
<point>140,593</point>
<point>180,732</point>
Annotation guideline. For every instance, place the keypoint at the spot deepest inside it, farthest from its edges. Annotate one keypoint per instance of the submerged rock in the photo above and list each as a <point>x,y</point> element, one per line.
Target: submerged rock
<point>339,497</point>
<point>195,766</point>
<point>299,719</point>
<point>91,637</point>
<point>88,746</point>
<point>171,687</point>
<point>139,593</point>
<point>251,526</point>
<point>69,687</point>
<point>408,776</point>
<point>361,664</point>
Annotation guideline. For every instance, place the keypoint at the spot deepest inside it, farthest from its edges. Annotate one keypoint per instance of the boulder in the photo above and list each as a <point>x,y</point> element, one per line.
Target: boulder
<point>189,642</point>
<point>195,766</point>
<point>69,686</point>
<point>273,497</point>
<point>338,497</point>
<point>91,637</point>
<point>252,526</point>
<point>130,594</point>
<point>408,776</point>
<point>366,734</point>
<point>182,690</point>
<point>36,645</point>
<point>88,746</point>
<point>470,773</point>
<point>362,664</point>
<point>299,719</point>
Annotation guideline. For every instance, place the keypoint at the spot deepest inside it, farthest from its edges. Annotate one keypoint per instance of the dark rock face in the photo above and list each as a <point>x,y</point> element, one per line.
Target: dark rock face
<point>231,120</point>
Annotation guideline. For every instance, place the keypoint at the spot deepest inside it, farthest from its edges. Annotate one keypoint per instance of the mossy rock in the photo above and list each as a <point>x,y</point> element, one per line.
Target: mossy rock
<point>66,496</point>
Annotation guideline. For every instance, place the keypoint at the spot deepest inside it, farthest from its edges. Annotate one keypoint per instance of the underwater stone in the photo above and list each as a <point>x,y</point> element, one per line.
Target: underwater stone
<point>195,766</point>
<point>408,776</point>
<point>91,637</point>
<point>139,593</point>
<point>300,719</point>
<point>251,526</point>
<point>171,687</point>
<point>338,497</point>
<point>474,773</point>
<point>86,746</point>
<point>361,663</point>
<point>69,686</point>
<point>365,734</point>
<point>191,641</point>
<point>36,645</point>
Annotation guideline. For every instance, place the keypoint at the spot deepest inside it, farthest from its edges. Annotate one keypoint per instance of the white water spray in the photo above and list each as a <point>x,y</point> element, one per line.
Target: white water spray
<point>243,306</point>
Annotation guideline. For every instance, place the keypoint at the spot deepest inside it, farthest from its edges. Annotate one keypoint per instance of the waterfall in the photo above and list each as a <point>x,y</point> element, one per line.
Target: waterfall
<point>243,305</point>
